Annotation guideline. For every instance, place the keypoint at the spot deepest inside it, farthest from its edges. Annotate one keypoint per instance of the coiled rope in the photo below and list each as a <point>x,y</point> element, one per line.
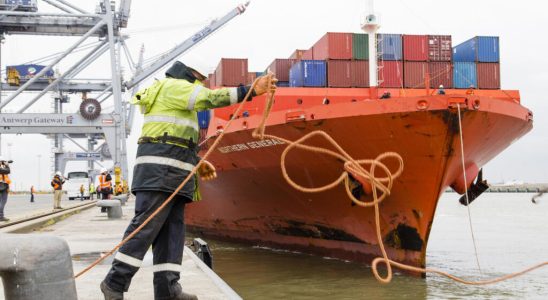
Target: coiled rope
<point>356,167</point>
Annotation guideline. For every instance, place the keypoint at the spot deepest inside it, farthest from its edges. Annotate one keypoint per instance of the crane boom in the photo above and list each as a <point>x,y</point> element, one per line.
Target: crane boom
<point>184,46</point>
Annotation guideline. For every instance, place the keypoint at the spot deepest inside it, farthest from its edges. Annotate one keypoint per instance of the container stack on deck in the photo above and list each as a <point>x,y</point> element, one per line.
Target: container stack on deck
<point>341,60</point>
<point>477,63</point>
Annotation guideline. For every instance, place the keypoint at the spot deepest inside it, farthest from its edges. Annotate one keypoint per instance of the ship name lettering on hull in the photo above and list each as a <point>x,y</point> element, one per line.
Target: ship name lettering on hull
<point>250,145</point>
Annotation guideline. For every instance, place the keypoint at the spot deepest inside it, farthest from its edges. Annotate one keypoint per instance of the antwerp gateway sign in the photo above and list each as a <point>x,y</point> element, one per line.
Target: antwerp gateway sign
<point>8,120</point>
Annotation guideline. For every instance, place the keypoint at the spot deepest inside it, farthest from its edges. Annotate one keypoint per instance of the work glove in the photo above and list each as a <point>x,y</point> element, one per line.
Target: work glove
<point>262,84</point>
<point>207,171</point>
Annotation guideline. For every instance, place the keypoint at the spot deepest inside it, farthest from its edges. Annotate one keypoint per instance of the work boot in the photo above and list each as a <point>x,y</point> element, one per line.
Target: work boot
<point>4,219</point>
<point>109,293</point>
<point>180,295</point>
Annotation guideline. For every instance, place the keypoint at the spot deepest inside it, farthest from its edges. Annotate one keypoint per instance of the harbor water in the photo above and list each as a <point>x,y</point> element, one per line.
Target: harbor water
<point>511,234</point>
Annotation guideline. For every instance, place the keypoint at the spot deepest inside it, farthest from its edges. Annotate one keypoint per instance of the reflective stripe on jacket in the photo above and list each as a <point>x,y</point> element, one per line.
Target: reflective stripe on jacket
<point>170,107</point>
<point>103,183</point>
<point>162,167</point>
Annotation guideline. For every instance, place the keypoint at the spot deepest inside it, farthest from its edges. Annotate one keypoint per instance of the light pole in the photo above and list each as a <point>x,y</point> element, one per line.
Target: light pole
<point>39,175</point>
<point>9,150</point>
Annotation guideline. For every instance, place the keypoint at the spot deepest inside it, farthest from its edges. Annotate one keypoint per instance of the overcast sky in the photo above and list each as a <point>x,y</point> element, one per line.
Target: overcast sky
<point>273,29</point>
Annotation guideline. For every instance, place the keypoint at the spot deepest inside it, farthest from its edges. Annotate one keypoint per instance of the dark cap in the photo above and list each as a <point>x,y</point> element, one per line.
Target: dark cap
<point>181,71</point>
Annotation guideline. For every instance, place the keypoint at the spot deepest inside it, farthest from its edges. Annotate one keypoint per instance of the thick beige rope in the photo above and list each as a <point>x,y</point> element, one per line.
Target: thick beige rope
<point>355,167</point>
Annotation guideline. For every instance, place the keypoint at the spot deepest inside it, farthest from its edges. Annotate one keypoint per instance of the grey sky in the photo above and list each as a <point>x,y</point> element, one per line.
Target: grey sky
<point>273,29</point>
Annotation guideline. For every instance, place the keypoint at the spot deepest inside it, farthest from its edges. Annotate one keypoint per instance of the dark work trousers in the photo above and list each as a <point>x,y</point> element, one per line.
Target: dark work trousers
<point>3,201</point>
<point>165,232</point>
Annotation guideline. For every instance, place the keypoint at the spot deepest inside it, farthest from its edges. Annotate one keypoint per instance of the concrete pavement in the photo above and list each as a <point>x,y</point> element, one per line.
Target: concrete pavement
<point>90,233</point>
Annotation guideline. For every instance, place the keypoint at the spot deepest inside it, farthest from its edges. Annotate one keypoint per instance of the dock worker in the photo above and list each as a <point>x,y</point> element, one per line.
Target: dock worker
<point>105,184</point>
<point>441,90</point>
<point>166,154</point>
<point>119,189</point>
<point>32,191</point>
<point>82,192</point>
<point>386,95</point>
<point>4,187</point>
<point>91,190</point>
<point>57,184</point>
<point>470,90</point>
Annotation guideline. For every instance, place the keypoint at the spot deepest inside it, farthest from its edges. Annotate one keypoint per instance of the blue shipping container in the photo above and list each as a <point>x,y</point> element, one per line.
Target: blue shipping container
<point>204,117</point>
<point>311,73</point>
<point>27,72</point>
<point>478,49</point>
<point>464,75</point>
<point>390,45</point>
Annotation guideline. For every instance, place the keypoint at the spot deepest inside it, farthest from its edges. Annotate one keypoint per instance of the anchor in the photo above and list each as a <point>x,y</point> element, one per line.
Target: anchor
<point>475,189</point>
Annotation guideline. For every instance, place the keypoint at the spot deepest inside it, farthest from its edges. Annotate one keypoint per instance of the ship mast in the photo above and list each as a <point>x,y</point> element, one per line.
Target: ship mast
<point>371,26</point>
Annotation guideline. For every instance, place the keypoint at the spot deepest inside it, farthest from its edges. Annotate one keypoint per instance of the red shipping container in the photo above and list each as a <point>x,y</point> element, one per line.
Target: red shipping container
<point>334,45</point>
<point>211,80</point>
<point>439,48</point>
<point>339,73</point>
<point>280,67</point>
<point>415,47</point>
<point>308,54</point>
<point>414,74</point>
<point>360,73</point>
<point>391,74</point>
<point>231,72</point>
<point>251,76</point>
<point>488,75</point>
<point>441,73</point>
<point>298,54</point>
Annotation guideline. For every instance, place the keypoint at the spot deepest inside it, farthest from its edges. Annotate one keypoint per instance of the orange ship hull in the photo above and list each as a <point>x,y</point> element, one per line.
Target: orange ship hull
<point>250,200</point>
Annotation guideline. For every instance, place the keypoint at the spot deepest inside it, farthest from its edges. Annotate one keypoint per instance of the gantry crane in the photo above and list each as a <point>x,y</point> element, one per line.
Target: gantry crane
<point>89,122</point>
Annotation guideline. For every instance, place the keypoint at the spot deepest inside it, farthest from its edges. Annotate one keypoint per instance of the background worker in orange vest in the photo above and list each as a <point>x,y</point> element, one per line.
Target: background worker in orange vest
<point>57,184</point>
<point>105,184</point>
<point>4,186</point>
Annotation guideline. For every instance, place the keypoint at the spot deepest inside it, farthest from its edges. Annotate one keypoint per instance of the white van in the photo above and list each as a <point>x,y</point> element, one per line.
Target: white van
<point>73,183</point>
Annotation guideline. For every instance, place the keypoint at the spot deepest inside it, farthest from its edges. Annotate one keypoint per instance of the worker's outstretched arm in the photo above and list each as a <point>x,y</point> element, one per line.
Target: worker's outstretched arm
<point>208,99</point>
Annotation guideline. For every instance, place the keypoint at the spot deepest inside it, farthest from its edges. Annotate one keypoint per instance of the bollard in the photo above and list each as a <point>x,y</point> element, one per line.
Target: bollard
<point>36,267</point>
<point>122,198</point>
<point>114,208</point>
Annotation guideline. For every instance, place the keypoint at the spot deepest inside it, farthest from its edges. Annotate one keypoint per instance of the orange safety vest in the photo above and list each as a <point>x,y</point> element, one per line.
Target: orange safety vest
<point>103,183</point>
<point>6,179</point>
<point>56,183</point>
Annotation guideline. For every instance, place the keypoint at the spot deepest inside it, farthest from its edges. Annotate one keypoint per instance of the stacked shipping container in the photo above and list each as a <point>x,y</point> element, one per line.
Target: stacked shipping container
<point>440,67</point>
<point>415,55</point>
<point>441,73</point>
<point>342,53</point>
<point>410,61</point>
<point>480,53</point>
<point>280,67</point>
<point>231,72</point>
<point>308,73</point>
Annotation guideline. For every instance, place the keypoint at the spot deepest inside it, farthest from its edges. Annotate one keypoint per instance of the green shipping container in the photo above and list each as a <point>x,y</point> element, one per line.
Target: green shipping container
<point>360,46</point>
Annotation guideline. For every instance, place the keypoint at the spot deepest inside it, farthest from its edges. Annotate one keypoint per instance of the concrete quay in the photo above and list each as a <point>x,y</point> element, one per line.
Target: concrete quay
<point>90,233</point>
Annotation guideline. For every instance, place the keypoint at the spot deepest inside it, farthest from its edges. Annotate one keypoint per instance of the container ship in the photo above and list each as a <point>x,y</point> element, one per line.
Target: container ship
<point>328,87</point>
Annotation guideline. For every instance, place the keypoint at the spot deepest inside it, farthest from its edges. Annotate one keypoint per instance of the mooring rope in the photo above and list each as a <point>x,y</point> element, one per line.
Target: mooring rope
<point>355,167</point>
<point>466,191</point>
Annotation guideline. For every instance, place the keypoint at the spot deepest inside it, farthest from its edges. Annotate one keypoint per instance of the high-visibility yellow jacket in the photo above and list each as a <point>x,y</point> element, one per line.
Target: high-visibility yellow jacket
<point>167,147</point>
